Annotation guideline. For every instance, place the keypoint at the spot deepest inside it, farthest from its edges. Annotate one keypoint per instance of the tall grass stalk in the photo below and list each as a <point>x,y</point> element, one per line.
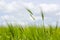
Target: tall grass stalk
<point>42,15</point>
<point>11,30</point>
<point>51,30</point>
<point>31,14</point>
<point>56,25</point>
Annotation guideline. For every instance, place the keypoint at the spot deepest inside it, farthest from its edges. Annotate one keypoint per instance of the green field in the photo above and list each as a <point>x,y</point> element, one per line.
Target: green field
<point>32,32</point>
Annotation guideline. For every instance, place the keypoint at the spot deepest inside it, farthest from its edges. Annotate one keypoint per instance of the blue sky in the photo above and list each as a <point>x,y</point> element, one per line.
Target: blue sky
<point>14,11</point>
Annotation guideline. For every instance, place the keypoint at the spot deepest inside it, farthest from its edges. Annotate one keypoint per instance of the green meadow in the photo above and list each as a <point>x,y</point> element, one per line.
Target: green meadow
<point>32,32</point>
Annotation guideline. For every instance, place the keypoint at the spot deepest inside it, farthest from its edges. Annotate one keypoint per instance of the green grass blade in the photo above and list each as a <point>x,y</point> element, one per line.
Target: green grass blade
<point>42,14</point>
<point>29,11</point>
<point>31,14</point>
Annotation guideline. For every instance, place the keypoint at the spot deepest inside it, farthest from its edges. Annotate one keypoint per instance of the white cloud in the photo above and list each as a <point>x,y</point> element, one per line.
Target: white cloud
<point>28,5</point>
<point>9,7</point>
<point>7,17</point>
<point>12,7</point>
<point>49,7</point>
<point>15,6</point>
<point>2,5</point>
<point>58,14</point>
<point>12,20</point>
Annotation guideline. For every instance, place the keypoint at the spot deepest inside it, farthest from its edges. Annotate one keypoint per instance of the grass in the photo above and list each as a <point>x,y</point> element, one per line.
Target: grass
<point>29,33</point>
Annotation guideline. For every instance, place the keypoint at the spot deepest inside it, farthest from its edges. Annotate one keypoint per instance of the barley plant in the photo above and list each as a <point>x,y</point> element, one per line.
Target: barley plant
<point>30,32</point>
<point>31,14</point>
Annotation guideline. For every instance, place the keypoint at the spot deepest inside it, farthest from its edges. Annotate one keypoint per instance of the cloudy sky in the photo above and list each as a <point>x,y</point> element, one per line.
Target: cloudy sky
<point>14,11</point>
